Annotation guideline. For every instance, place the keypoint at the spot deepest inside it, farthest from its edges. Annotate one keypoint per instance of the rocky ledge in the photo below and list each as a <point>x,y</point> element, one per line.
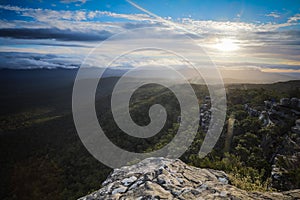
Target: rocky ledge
<point>161,178</point>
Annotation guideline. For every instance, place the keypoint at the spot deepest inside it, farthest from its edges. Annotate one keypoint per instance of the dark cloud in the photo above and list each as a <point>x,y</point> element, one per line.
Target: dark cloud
<point>291,36</point>
<point>289,67</point>
<point>54,33</point>
<point>24,60</point>
<point>60,44</point>
<point>293,33</point>
<point>266,32</point>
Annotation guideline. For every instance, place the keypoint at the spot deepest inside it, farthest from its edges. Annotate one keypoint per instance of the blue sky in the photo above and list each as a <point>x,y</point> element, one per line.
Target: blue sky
<point>255,10</point>
<point>260,34</point>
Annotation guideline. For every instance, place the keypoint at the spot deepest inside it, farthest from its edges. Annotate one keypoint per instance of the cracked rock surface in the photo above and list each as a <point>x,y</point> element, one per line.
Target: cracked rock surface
<point>162,178</point>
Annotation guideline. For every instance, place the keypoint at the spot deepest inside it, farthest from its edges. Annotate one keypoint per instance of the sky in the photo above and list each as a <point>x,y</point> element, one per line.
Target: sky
<point>243,35</point>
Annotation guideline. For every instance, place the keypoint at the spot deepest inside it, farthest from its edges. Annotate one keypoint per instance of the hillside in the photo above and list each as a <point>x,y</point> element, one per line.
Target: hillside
<point>41,153</point>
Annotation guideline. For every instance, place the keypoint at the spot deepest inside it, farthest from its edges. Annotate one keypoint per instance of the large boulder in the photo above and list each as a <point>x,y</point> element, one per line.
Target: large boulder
<point>161,178</point>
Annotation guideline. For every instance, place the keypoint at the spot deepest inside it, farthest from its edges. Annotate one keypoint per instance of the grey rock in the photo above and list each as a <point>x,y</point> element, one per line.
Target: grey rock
<point>129,181</point>
<point>162,178</point>
<point>223,180</point>
<point>120,189</point>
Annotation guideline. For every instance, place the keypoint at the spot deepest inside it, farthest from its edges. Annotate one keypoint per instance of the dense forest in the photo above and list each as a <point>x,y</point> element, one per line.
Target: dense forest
<point>42,156</point>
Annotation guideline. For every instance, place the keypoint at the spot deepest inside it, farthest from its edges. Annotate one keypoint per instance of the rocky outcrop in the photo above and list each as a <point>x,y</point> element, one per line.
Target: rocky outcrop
<point>161,178</point>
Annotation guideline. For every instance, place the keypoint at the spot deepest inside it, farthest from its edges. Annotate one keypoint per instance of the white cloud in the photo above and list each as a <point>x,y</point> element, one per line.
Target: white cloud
<point>255,39</point>
<point>295,18</point>
<point>273,14</point>
<point>229,27</point>
<point>62,17</point>
<point>73,1</point>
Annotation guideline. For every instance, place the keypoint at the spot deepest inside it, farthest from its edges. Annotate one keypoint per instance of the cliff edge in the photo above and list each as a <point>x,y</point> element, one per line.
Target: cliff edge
<point>162,178</point>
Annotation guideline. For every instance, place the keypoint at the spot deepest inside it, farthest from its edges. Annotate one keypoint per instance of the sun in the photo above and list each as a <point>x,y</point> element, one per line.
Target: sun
<point>227,44</point>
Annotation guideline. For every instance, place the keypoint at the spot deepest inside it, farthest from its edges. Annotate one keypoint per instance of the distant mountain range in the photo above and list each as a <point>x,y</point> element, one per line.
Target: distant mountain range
<point>228,75</point>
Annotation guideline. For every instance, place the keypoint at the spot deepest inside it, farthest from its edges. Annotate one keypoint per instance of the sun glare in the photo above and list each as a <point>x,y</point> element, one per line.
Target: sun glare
<point>227,45</point>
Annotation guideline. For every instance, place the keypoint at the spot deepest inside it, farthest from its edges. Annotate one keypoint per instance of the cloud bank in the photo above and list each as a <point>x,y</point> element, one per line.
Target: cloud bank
<point>263,45</point>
